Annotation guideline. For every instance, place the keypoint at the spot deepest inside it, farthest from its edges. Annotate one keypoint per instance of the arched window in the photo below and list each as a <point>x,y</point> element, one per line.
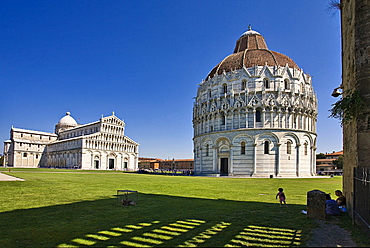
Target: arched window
<point>223,119</point>
<point>207,150</point>
<point>305,148</point>
<point>242,151</point>
<point>267,147</point>
<point>224,87</point>
<point>289,147</point>
<point>244,85</point>
<point>258,116</point>
<point>266,83</point>
<point>286,84</point>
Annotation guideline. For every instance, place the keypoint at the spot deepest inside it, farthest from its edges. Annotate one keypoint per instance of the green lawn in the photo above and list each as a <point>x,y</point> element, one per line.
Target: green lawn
<point>80,209</point>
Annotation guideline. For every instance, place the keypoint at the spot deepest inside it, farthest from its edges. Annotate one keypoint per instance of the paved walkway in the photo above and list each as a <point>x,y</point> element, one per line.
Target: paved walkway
<point>4,177</point>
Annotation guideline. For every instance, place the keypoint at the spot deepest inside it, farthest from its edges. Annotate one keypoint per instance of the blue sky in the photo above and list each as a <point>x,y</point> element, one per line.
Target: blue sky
<point>144,59</point>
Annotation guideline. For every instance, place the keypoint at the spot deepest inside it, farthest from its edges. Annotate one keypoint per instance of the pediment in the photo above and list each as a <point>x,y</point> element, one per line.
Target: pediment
<point>114,120</point>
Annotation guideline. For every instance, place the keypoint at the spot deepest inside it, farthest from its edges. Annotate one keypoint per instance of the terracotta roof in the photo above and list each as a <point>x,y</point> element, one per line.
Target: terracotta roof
<point>178,160</point>
<point>334,153</point>
<point>150,159</point>
<point>325,160</point>
<point>251,50</point>
<point>324,165</point>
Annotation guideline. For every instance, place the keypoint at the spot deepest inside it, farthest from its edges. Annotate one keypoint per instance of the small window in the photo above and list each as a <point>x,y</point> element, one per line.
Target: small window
<point>223,119</point>
<point>37,156</point>
<point>267,147</point>
<point>286,84</point>
<point>224,88</point>
<point>207,150</point>
<point>289,147</point>
<point>244,85</point>
<point>209,94</point>
<point>266,83</point>
<point>305,148</point>
<point>258,116</point>
<point>25,155</point>
<point>242,150</point>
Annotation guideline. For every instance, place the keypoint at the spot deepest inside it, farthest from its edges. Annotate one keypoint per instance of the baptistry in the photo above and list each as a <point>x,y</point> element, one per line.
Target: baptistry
<point>255,115</point>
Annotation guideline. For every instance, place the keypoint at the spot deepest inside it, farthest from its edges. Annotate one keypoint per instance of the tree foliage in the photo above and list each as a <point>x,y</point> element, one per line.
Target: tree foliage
<point>339,162</point>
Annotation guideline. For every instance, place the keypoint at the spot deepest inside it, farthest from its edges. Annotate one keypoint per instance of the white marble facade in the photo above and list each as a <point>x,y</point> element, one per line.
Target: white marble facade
<point>255,115</point>
<point>100,145</point>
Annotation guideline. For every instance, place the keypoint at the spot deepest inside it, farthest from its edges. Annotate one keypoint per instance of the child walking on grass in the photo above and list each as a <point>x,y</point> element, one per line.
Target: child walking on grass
<point>281,196</point>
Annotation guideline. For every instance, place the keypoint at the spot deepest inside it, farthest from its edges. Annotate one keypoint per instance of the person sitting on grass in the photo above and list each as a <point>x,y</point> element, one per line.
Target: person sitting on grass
<point>341,200</point>
<point>331,206</point>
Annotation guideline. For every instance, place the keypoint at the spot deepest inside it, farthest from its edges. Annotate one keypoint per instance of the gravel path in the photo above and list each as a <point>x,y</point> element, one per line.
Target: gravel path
<point>4,177</point>
<point>330,235</point>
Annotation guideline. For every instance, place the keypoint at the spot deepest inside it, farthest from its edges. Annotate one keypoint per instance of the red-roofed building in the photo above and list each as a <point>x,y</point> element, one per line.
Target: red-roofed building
<point>326,166</point>
<point>177,164</point>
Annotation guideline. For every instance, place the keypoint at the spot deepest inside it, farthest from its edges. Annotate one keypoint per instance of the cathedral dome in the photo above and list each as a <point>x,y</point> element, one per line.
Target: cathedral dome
<point>68,120</point>
<point>251,50</point>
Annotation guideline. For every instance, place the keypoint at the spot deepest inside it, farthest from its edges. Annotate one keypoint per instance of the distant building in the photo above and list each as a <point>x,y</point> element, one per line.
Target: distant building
<point>100,145</point>
<point>255,115</point>
<point>326,166</point>
<point>149,163</point>
<point>177,164</point>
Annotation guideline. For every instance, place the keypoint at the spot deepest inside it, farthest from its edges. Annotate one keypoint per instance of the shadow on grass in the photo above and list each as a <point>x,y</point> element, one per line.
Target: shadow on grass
<point>157,220</point>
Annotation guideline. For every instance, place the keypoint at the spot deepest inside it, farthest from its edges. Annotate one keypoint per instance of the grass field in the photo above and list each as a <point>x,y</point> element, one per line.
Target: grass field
<point>79,208</point>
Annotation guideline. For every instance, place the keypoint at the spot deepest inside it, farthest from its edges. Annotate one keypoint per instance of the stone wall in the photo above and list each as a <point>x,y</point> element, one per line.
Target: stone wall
<point>355,18</point>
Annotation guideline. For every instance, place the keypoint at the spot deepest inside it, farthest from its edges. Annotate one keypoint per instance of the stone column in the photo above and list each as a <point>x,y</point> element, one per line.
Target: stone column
<point>214,159</point>
<point>254,159</point>
<point>246,117</point>
<point>272,118</point>
<point>277,173</point>
<point>200,158</point>
<point>297,159</point>
<point>286,119</point>
<point>231,159</point>
<point>254,117</point>
<point>239,120</point>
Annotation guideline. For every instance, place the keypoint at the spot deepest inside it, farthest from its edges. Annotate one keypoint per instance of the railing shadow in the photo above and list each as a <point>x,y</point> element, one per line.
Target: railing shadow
<point>156,221</point>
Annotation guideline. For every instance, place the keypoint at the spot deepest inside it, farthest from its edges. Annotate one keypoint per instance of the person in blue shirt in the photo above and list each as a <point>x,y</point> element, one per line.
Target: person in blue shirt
<point>331,206</point>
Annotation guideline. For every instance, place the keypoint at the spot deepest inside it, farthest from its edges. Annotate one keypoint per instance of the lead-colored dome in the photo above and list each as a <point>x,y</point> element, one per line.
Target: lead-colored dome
<point>68,120</point>
<point>251,50</point>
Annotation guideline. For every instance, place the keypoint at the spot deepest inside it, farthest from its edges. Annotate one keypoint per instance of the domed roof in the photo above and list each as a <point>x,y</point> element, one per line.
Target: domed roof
<point>68,120</point>
<point>251,50</point>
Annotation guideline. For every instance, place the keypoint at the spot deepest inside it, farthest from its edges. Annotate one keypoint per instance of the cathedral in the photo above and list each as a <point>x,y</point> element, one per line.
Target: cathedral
<point>255,115</point>
<point>100,145</point>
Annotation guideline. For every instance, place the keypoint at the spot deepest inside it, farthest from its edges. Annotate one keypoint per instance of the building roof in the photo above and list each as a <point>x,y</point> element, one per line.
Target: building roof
<point>32,131</point>
<point>335,153</point>
<point>251,50</point>
<point>325,165</point>
<point>68,120</point>
<point>328,160</point>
